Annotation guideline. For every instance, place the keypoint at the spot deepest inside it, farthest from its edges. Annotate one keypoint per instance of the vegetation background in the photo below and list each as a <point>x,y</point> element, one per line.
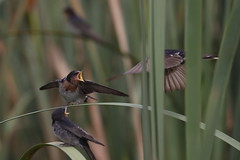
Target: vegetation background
<point>37,45</point>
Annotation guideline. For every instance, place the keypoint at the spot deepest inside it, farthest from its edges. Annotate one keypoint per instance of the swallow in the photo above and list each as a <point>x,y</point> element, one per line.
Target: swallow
<point>75,89</point>
<point>70,133</point>
<point>81,25</point>
<point>174,73</point>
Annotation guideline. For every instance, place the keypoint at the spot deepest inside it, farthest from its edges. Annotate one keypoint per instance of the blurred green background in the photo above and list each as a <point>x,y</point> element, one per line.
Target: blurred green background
<point>38,45</point>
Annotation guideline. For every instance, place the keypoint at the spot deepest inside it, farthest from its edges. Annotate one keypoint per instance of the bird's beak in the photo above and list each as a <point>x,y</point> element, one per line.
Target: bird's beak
<point>65,112</point>
<point>80,76</point>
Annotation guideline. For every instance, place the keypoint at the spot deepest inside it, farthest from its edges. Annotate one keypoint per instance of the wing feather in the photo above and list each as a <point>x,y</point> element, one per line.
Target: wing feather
<point>90,87</point>
<point>76,130</point>
<point>174,78</point>
<point>53,84</point>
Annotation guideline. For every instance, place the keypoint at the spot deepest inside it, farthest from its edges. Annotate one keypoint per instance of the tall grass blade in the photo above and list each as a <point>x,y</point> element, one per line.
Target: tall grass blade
<point>145,97</point>
<point>193,45</point>
<point>234,154</point>
<point>227,51</point>
<point>158,8</point>
<point>152,84</point>
<point>123,42</point>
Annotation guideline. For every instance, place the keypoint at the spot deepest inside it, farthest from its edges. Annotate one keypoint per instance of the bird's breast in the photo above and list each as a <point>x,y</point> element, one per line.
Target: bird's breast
<point>68,86</point>
<point>71,93</point>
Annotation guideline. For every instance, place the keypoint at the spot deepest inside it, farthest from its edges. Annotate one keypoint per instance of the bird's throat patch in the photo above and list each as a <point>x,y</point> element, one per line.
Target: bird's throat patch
<point>69,87</point>
<point>80,76</point>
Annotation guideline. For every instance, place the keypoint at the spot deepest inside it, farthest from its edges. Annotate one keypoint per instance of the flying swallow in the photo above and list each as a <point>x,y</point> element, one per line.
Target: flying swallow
<point>81,25</point>
<point>70,133</point>
<point>75,89</point>
<point>174,69</point>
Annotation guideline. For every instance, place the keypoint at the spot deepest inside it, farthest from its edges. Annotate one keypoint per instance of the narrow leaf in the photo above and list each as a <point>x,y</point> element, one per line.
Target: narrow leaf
<point>70,151</point>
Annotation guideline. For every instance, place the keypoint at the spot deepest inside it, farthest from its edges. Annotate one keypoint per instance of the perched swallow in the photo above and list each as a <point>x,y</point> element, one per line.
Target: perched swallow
<point>81,25</point>
<point>70,133</point>
<point>75,89</point>
<point>174,69</point>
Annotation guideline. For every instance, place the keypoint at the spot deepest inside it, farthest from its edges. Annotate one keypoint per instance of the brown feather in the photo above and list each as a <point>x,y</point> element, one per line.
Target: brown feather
<point>90,87</point>
<point>69,87</point>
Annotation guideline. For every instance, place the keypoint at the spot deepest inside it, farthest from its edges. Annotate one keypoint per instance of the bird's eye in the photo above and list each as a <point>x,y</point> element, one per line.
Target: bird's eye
<point>75,74</point>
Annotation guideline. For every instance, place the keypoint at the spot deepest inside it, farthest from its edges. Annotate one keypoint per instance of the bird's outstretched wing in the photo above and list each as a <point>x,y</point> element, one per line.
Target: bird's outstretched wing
<point>90,87</point>
<point>138,68</point>
<point>174,78</point>
<point>53,84</point>
<point>174,72</point>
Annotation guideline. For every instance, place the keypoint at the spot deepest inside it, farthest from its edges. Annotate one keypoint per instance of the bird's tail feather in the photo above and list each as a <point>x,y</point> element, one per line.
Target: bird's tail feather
<point>210,57</point>
<point>88,151</point>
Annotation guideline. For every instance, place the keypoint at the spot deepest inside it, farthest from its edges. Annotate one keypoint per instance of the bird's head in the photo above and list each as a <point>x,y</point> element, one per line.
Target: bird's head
<point>75,77</point>
<point>69,11</point>
<point>59,114</point>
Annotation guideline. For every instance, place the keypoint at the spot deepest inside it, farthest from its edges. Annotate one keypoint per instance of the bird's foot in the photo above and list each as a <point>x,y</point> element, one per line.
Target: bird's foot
<point>86,98</point>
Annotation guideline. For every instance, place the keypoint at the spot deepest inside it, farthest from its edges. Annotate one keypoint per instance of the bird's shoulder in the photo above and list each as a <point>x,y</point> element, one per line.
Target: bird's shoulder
<point>88,86</point>
<point>173,59</point>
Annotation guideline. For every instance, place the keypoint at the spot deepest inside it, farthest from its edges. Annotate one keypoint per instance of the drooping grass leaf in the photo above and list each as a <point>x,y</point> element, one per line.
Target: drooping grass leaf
<point>70,151</point>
